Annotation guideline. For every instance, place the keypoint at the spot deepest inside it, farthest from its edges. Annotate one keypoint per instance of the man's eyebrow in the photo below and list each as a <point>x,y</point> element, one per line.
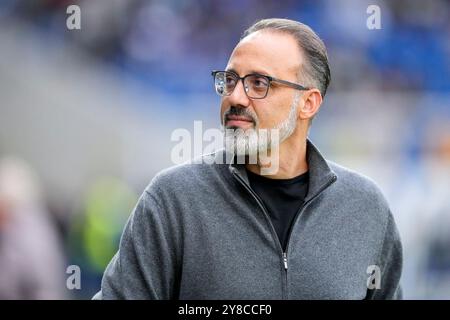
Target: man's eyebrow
<point>233,71</point>
<point>261,72</point>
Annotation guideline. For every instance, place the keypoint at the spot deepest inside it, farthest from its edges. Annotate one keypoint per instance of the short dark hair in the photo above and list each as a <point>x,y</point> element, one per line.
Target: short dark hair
<point>316,71</point>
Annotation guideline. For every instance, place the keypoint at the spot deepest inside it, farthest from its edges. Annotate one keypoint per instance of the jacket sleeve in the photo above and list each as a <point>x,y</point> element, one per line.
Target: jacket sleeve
<point>391,261</point>
<point>145,265</point>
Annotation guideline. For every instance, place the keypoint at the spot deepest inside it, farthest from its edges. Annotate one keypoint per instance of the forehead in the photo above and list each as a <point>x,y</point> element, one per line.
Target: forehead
<point>267,52</point>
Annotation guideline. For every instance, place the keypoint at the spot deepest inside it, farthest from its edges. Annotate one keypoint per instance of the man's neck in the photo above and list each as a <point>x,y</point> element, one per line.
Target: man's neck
<point>292,158</point>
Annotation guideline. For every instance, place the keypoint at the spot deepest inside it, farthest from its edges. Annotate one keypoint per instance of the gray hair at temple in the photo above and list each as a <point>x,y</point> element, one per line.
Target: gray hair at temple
<point>316,71</point>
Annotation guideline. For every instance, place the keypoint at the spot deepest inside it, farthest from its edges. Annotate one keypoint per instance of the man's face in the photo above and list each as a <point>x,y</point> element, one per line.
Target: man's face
<point>269,53</point>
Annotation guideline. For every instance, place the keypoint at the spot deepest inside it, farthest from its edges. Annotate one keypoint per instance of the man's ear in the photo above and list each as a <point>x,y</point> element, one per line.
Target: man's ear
<point>312,99</point>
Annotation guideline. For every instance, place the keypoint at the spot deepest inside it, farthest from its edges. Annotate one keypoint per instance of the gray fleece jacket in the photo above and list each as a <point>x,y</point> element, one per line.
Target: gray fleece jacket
<point>200,232</point>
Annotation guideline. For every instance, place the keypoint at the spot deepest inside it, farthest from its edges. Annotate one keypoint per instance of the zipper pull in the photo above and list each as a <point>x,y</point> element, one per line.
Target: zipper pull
<point>285,260</point>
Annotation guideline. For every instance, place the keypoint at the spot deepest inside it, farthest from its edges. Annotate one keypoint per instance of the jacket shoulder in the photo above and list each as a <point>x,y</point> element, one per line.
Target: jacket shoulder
<point>192,173</point>
<point>356,185</point>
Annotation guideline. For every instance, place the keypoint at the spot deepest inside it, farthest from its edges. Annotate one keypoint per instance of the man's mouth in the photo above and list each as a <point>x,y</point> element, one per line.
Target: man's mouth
<point>238,121</point>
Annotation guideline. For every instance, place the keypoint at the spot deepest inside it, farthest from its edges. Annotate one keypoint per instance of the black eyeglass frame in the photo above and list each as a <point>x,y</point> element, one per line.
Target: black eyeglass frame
<point>270,79</point>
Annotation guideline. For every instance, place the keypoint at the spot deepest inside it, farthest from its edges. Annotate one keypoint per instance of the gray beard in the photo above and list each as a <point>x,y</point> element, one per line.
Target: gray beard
<point>251,142</point>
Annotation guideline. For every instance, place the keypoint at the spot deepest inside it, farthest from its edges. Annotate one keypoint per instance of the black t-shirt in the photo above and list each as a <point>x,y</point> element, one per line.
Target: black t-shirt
<point>282,198</point>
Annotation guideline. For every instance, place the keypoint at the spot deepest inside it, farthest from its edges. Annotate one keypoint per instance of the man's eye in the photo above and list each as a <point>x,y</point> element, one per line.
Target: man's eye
<point>230,81</point>
<point>259,82</point>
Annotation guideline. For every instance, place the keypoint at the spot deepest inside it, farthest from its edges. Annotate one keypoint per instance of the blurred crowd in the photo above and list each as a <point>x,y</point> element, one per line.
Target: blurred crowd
<point>152,40</point>
<point>388,109</point>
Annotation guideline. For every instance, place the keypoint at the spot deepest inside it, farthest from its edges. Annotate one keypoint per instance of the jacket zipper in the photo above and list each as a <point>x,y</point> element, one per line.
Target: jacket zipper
<point>298,214</point>
<point>272,228</point>
<point>284,254</point>
<point>326,185</point>
<point>285,274</point>
<point>261,205</point>
<point>285,260</point>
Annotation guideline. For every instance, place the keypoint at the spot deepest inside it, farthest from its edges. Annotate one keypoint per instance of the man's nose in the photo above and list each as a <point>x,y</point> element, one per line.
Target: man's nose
<point>239,97</point>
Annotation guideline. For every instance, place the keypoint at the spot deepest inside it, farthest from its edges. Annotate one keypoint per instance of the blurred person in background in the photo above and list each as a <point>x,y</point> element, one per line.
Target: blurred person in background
<point>31,261</point>
<point>94,234</point>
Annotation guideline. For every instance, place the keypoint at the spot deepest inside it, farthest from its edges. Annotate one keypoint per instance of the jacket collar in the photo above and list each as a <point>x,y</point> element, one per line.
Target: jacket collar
<point>320,173</point>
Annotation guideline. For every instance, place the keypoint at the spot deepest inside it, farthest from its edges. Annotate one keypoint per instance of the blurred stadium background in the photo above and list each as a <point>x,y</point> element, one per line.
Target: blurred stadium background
<point>86,118</point>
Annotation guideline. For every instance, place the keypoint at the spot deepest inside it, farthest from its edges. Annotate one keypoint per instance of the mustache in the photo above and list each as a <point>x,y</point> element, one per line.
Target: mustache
<point>239,111</point>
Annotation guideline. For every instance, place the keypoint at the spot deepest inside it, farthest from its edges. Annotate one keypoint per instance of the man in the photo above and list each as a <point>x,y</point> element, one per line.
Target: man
<point>311,230</point>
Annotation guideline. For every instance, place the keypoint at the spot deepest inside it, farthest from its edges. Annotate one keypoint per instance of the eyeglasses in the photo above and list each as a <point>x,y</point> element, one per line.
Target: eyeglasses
<point>256,86</point>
